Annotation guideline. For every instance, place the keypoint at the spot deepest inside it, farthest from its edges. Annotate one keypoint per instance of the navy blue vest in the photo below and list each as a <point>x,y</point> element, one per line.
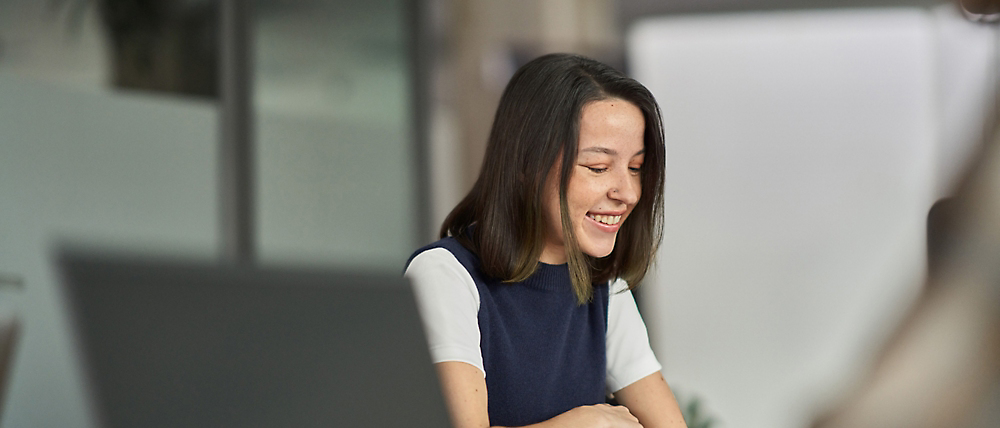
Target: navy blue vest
<point>543,353</point>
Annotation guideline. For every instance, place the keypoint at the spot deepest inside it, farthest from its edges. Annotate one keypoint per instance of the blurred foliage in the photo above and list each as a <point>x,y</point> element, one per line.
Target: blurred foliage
<point>694,414</point>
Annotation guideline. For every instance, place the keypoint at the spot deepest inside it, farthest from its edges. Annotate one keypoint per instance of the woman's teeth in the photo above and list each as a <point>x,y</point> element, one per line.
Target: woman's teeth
<point>606,219</point>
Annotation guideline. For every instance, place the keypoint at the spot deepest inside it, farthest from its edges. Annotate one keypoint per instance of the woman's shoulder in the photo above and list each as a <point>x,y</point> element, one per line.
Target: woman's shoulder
<point>449,300</point>
<point>461,254</point>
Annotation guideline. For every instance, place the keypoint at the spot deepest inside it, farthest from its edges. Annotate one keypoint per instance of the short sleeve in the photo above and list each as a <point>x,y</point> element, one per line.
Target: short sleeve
<point>630,357</point>
<point>449,306</point>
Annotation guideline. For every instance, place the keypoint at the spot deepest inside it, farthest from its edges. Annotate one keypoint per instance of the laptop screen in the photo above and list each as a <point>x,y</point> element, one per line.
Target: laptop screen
<point>178,344</point>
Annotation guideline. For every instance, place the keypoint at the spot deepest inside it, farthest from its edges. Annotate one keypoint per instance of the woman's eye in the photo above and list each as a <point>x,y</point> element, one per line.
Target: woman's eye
<point>635,170</point>
<point>597,170</point>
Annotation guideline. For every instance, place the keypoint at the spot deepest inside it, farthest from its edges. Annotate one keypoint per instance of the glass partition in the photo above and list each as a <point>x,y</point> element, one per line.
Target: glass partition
<point>333,139</point>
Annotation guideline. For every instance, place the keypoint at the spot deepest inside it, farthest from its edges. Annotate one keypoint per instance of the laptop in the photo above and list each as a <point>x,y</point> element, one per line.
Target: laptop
<point>169,343</point>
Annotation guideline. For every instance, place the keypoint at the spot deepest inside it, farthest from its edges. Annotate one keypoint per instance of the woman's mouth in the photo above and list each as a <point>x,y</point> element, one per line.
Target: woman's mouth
<point>605,223</point>
<point>610,220</point>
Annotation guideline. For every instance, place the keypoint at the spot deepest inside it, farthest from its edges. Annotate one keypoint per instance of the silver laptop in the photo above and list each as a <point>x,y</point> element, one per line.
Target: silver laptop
<point>180,344</point>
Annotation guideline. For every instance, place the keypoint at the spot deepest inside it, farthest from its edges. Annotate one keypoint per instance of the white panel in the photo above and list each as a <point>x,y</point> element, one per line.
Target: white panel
<point>800,174</point>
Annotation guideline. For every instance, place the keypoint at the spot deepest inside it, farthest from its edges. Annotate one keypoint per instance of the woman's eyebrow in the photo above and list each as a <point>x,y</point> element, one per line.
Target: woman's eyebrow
<point>599,149</point>
<point>608,151</point>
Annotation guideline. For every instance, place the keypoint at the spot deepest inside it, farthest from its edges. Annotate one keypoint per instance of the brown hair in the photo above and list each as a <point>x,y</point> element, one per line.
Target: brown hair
<point>538,119</point>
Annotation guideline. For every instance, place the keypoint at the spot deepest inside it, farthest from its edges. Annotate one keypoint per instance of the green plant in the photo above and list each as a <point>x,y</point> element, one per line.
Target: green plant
<point>694,415</point>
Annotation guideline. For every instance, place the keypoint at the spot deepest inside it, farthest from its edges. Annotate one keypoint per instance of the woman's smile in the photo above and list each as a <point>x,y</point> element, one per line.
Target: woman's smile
<point>606,220</point>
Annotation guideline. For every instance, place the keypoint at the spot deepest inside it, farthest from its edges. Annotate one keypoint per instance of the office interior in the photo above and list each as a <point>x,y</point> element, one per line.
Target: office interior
<point>807,143</point>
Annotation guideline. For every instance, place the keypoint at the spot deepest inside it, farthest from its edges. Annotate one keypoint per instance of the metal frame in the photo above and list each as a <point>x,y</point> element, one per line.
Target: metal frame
<point>421,58</point>
<point>236,148</point>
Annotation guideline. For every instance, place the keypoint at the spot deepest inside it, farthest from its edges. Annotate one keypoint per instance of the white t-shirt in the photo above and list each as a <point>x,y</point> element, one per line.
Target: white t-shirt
<point>449,305</point>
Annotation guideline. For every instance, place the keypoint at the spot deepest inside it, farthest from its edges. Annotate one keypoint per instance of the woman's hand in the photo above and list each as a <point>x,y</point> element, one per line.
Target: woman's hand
<point>596,416</point>
<point>464,389</point>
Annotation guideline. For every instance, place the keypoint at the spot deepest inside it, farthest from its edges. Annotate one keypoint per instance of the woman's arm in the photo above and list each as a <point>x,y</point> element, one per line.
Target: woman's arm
<point>651,400</point>
<point>464,390</point>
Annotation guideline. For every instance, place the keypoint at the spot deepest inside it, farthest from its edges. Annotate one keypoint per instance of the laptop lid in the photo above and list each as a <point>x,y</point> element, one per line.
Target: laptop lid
<point>180,344</point>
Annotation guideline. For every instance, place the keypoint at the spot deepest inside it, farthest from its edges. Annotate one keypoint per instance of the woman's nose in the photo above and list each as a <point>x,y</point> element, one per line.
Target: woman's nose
<point>625,189</point>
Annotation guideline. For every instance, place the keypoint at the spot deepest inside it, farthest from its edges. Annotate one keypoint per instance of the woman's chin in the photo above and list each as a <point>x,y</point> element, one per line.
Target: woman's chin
<point>598,251</point>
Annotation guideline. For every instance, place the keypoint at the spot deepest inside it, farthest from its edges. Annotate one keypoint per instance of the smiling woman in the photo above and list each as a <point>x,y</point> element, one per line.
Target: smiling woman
<point>526,298</point>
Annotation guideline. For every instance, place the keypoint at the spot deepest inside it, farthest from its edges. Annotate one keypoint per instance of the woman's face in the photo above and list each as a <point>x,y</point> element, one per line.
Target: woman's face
<point>604,185</point>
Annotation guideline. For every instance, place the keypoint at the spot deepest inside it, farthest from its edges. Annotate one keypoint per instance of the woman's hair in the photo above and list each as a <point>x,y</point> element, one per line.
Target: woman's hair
<point>537,121</point>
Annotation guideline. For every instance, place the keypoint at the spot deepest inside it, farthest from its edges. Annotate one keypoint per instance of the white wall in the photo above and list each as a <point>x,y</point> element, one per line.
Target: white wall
<point>804,153</point>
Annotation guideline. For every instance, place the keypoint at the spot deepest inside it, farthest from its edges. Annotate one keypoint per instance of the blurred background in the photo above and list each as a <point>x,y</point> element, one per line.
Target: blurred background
<point>807,142</point>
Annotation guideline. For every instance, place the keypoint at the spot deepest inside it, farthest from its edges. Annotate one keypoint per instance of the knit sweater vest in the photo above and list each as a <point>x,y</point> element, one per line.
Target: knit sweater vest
<point>543,352</point>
